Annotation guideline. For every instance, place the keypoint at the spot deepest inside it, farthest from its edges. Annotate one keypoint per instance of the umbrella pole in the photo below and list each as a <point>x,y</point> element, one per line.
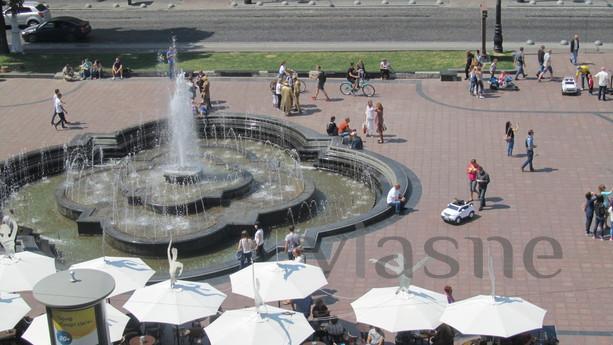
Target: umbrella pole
<point>178,338</point>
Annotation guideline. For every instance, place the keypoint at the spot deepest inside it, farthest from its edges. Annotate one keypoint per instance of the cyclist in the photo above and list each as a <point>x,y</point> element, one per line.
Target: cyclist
<point>352,76</point>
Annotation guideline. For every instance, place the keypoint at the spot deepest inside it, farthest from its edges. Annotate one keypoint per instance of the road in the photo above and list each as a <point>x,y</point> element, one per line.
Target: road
<point>428,24</point>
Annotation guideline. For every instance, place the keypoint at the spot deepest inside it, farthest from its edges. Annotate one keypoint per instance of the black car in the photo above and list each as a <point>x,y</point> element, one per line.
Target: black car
<point>58,29</point>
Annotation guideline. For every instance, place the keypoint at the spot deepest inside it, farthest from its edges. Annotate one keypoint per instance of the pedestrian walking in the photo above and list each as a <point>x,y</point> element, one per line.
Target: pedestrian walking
<point>588,208</point>
<point>530,146</point>
<point>540,55</point>
<point>60,112</point>
<point>510,137</point>
<point>603,79</point>
<point>520,63</point>
<point>370,119</point>
<point>471,173</point>
<point>493,67</point>
<point>574,49</point>
<point>55,93</point>
<point>469,63</point>
<point>379,124</point>
<point>483,180</point>
<point>546,66</point>
<point>321,81</point>
<point>206,91</point>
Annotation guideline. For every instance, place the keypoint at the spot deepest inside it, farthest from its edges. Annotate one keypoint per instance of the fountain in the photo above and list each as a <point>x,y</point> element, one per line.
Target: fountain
<point>199,183</point>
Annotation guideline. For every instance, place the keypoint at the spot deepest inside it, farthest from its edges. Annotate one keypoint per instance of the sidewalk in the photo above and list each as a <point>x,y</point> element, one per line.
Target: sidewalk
<point>227,4</point>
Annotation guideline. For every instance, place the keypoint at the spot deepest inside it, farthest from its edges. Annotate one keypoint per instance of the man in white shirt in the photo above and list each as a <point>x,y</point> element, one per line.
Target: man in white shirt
<point>59,111</point>
<point>282,70</point>
<point>259,241</point>
<point>603,79</point>
<point>395,199</point>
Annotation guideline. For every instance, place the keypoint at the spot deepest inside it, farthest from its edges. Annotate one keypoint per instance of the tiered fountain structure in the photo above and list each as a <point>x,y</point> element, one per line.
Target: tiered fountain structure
<point>201,182</point>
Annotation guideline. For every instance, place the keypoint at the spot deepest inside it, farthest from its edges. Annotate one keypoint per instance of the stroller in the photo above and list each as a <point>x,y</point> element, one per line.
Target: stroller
<point>505,82</point>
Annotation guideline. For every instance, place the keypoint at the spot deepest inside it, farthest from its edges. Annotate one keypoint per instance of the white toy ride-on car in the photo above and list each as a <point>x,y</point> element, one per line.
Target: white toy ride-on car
<point>457,211</point>
<point>569,86</point>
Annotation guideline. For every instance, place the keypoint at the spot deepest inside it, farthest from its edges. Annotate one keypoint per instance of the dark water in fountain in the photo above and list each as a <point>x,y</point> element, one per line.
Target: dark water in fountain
<point>278,177</point>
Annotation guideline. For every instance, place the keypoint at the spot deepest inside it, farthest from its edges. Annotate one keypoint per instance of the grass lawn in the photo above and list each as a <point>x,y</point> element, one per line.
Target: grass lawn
<point>244,61</point>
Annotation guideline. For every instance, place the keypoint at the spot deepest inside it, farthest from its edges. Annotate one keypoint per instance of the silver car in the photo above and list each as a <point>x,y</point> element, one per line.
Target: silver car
<point>31,13</point>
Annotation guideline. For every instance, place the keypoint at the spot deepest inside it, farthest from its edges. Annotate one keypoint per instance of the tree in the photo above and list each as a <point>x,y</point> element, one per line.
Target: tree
<point>11,5</point>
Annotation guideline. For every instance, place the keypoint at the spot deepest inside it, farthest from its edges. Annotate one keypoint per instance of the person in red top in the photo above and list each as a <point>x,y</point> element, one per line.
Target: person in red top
<point>343,127</point>
<point>471,172</point>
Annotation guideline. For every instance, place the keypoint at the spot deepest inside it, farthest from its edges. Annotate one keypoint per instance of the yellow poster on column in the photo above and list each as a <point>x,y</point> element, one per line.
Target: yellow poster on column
<point>75,327</point>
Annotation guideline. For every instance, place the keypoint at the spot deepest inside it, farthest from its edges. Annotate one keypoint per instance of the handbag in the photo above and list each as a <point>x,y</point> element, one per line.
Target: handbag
<point>239,255</point>
<point>384,127</point>
<point>364,127</point>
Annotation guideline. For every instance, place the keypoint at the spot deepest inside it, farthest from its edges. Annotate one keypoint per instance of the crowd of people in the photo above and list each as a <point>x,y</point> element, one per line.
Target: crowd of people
<point>286,90</point>
<point>597,208</point>
<point>200,88</point>
<point>474,67</point>
<point>251,249</point>
<point>92,70</point>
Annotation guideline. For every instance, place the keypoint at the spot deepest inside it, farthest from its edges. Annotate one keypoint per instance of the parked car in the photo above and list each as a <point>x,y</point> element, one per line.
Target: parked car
<point>31,13</point>
<point>58,29</point>
<point>457,211</point>
<point>569,86</point>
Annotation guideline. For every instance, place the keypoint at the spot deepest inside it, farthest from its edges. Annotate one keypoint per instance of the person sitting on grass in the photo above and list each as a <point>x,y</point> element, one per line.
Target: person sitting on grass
<point>86,69</point>
<point>96,70</point>
<point>69,74</point>
<point>117,69</point>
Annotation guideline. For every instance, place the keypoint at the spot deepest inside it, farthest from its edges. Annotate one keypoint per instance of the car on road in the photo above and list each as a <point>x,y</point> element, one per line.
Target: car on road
<point>569,86</point>
<point>58,29</point>
<point>31,13</point>
<point>457,211</point>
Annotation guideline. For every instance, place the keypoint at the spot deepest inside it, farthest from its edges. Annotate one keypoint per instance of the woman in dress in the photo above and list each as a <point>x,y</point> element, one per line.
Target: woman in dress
<point>379,121</point>
<point>370,119</point>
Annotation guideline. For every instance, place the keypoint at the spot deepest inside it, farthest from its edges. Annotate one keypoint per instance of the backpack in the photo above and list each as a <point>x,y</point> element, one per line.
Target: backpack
<point>332,129</point>
<point>322,76</point>
<point>601,210</point>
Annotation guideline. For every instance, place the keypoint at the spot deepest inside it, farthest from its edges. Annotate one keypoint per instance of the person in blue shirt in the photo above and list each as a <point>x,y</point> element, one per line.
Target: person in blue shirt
<point>170,58</point>
<point>530,146</point>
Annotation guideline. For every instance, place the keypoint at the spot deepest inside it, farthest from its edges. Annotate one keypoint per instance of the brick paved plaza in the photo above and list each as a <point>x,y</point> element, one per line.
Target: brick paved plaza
<point>434,129</point>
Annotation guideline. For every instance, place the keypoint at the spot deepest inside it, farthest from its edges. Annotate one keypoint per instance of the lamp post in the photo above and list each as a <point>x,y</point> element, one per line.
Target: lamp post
<point>483,26</point>
<point>498,30</point>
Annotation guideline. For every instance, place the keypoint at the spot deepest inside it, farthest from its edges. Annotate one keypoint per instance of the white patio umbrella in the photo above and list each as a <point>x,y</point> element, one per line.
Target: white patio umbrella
<point>278,281</point>
<point>496,316</point>
<point>38,332</point>
<point>24,270</point>
<point>270,326</point>
<point>395,309</point>
<point>187,301</point>
<point>493,315</point>
<point>12,309</point>
<point>129,273</point>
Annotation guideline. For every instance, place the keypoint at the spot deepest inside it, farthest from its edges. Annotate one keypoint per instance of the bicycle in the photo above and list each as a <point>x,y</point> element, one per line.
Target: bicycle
<point>347,88</point>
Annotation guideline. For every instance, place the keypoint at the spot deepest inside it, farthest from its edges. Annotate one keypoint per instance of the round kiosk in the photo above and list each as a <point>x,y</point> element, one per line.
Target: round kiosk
<point>75,306</point>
